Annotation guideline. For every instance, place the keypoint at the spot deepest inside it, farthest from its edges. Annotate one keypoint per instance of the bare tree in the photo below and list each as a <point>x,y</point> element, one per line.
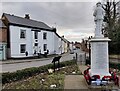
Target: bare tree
<point>112,24</point>
<point>110,17</point>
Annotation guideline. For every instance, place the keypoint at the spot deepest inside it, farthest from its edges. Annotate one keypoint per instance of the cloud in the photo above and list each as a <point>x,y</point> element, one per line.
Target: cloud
<point>68,17</point>
<point>74,35</point>
<point>54,0</point>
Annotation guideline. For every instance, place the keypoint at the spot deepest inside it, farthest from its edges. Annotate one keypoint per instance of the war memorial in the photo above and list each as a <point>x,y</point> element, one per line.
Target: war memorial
<point>98,73</point>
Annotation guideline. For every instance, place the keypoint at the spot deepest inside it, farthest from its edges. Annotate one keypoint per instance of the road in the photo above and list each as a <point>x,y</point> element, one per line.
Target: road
<point>114,60</point>
<point>19,66</point>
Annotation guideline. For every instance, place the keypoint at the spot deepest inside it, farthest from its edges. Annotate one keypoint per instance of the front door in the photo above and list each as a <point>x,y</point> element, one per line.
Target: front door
<point>36,48</point>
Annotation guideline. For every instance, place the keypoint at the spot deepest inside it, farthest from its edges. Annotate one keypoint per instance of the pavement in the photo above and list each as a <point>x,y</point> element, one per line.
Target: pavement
<point>14,65</point>
<point>12,61</point>
<point>76,82</point>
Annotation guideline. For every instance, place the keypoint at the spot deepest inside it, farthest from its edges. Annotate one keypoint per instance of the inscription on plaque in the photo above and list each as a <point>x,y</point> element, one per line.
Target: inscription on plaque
<point>100,60</point>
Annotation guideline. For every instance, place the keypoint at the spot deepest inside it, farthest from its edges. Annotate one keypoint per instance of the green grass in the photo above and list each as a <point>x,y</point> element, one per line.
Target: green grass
<point>35,82</point>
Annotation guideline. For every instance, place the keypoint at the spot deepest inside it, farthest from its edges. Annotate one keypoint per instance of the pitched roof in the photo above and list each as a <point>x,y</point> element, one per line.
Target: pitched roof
<point>2,25</point>
<point>65,40</point>
<point>26,22</point>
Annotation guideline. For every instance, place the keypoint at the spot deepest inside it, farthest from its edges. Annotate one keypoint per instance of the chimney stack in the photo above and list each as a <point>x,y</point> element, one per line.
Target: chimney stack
<point>27,16</point>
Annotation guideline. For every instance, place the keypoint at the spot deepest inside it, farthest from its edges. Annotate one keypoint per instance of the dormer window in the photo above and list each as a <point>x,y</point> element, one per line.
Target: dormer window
<point>22,33</point>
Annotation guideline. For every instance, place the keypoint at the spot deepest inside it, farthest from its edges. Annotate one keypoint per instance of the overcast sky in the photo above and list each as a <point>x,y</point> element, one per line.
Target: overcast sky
<point>74,20</point>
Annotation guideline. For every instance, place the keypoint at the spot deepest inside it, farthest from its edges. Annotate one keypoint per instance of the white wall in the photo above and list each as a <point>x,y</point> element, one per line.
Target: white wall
<point>63,46</point>
<point>40,43</point>
<point>71,46</point>
<point>15,41</point>
<point>49,41</point>
<point>57,44</point>
<point>60,46</point>
<point>53,42</point>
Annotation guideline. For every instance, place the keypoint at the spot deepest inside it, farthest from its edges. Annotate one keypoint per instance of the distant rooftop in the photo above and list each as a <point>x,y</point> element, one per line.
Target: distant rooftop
<point>62,37</point>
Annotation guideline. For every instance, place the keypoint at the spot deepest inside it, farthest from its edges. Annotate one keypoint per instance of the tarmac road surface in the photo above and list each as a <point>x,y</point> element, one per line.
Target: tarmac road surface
<point>18,66</point>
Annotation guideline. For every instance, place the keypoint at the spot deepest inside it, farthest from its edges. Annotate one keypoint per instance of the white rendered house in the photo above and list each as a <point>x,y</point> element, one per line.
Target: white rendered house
<point>65,45</point>
<point>28,37</point>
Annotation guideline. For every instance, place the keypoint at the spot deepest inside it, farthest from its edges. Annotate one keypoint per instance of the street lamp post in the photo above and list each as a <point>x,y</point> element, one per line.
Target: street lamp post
<point>89,50</point>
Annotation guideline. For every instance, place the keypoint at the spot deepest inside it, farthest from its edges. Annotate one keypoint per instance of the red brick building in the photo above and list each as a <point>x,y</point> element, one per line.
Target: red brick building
<point>3,41</point>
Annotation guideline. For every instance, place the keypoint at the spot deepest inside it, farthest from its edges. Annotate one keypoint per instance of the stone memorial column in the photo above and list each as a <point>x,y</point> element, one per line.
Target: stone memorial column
<point>99,46</point>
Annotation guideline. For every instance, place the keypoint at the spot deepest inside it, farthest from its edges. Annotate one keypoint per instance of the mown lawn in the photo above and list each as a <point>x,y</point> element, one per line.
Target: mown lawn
<point>44,80</point>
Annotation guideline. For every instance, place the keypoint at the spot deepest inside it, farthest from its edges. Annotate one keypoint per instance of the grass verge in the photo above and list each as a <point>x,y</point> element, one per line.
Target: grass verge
<point>44,80</point>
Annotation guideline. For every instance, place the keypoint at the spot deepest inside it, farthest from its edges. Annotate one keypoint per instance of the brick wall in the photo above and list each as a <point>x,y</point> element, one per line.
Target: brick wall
<point>3,34</point>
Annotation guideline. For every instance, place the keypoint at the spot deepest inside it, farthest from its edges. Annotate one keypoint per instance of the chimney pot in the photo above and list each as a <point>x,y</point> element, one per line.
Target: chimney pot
<point>27,16</point>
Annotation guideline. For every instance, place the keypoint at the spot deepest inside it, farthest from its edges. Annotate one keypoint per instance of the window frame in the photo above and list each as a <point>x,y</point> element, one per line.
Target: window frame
<point>22,36</point>
<point>22,50</point>
<point>35,35</point>
<point>44,47</point>
<point>44,35</point>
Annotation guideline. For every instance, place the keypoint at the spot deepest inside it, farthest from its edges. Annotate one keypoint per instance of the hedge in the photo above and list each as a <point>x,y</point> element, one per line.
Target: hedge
<point>115,65</point>
<point>28,72</point>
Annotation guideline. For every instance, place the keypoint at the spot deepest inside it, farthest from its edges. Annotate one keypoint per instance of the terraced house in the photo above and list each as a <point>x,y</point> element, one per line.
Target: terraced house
<point>27,37</point>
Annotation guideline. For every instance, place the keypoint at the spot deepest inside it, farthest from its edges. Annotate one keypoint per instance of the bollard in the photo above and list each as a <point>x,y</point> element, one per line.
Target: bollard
<point>76,57</point>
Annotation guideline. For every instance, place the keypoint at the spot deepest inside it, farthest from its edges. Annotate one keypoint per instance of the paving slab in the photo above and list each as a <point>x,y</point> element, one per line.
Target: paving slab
<point>82,68</point>
<point>75,82</point>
